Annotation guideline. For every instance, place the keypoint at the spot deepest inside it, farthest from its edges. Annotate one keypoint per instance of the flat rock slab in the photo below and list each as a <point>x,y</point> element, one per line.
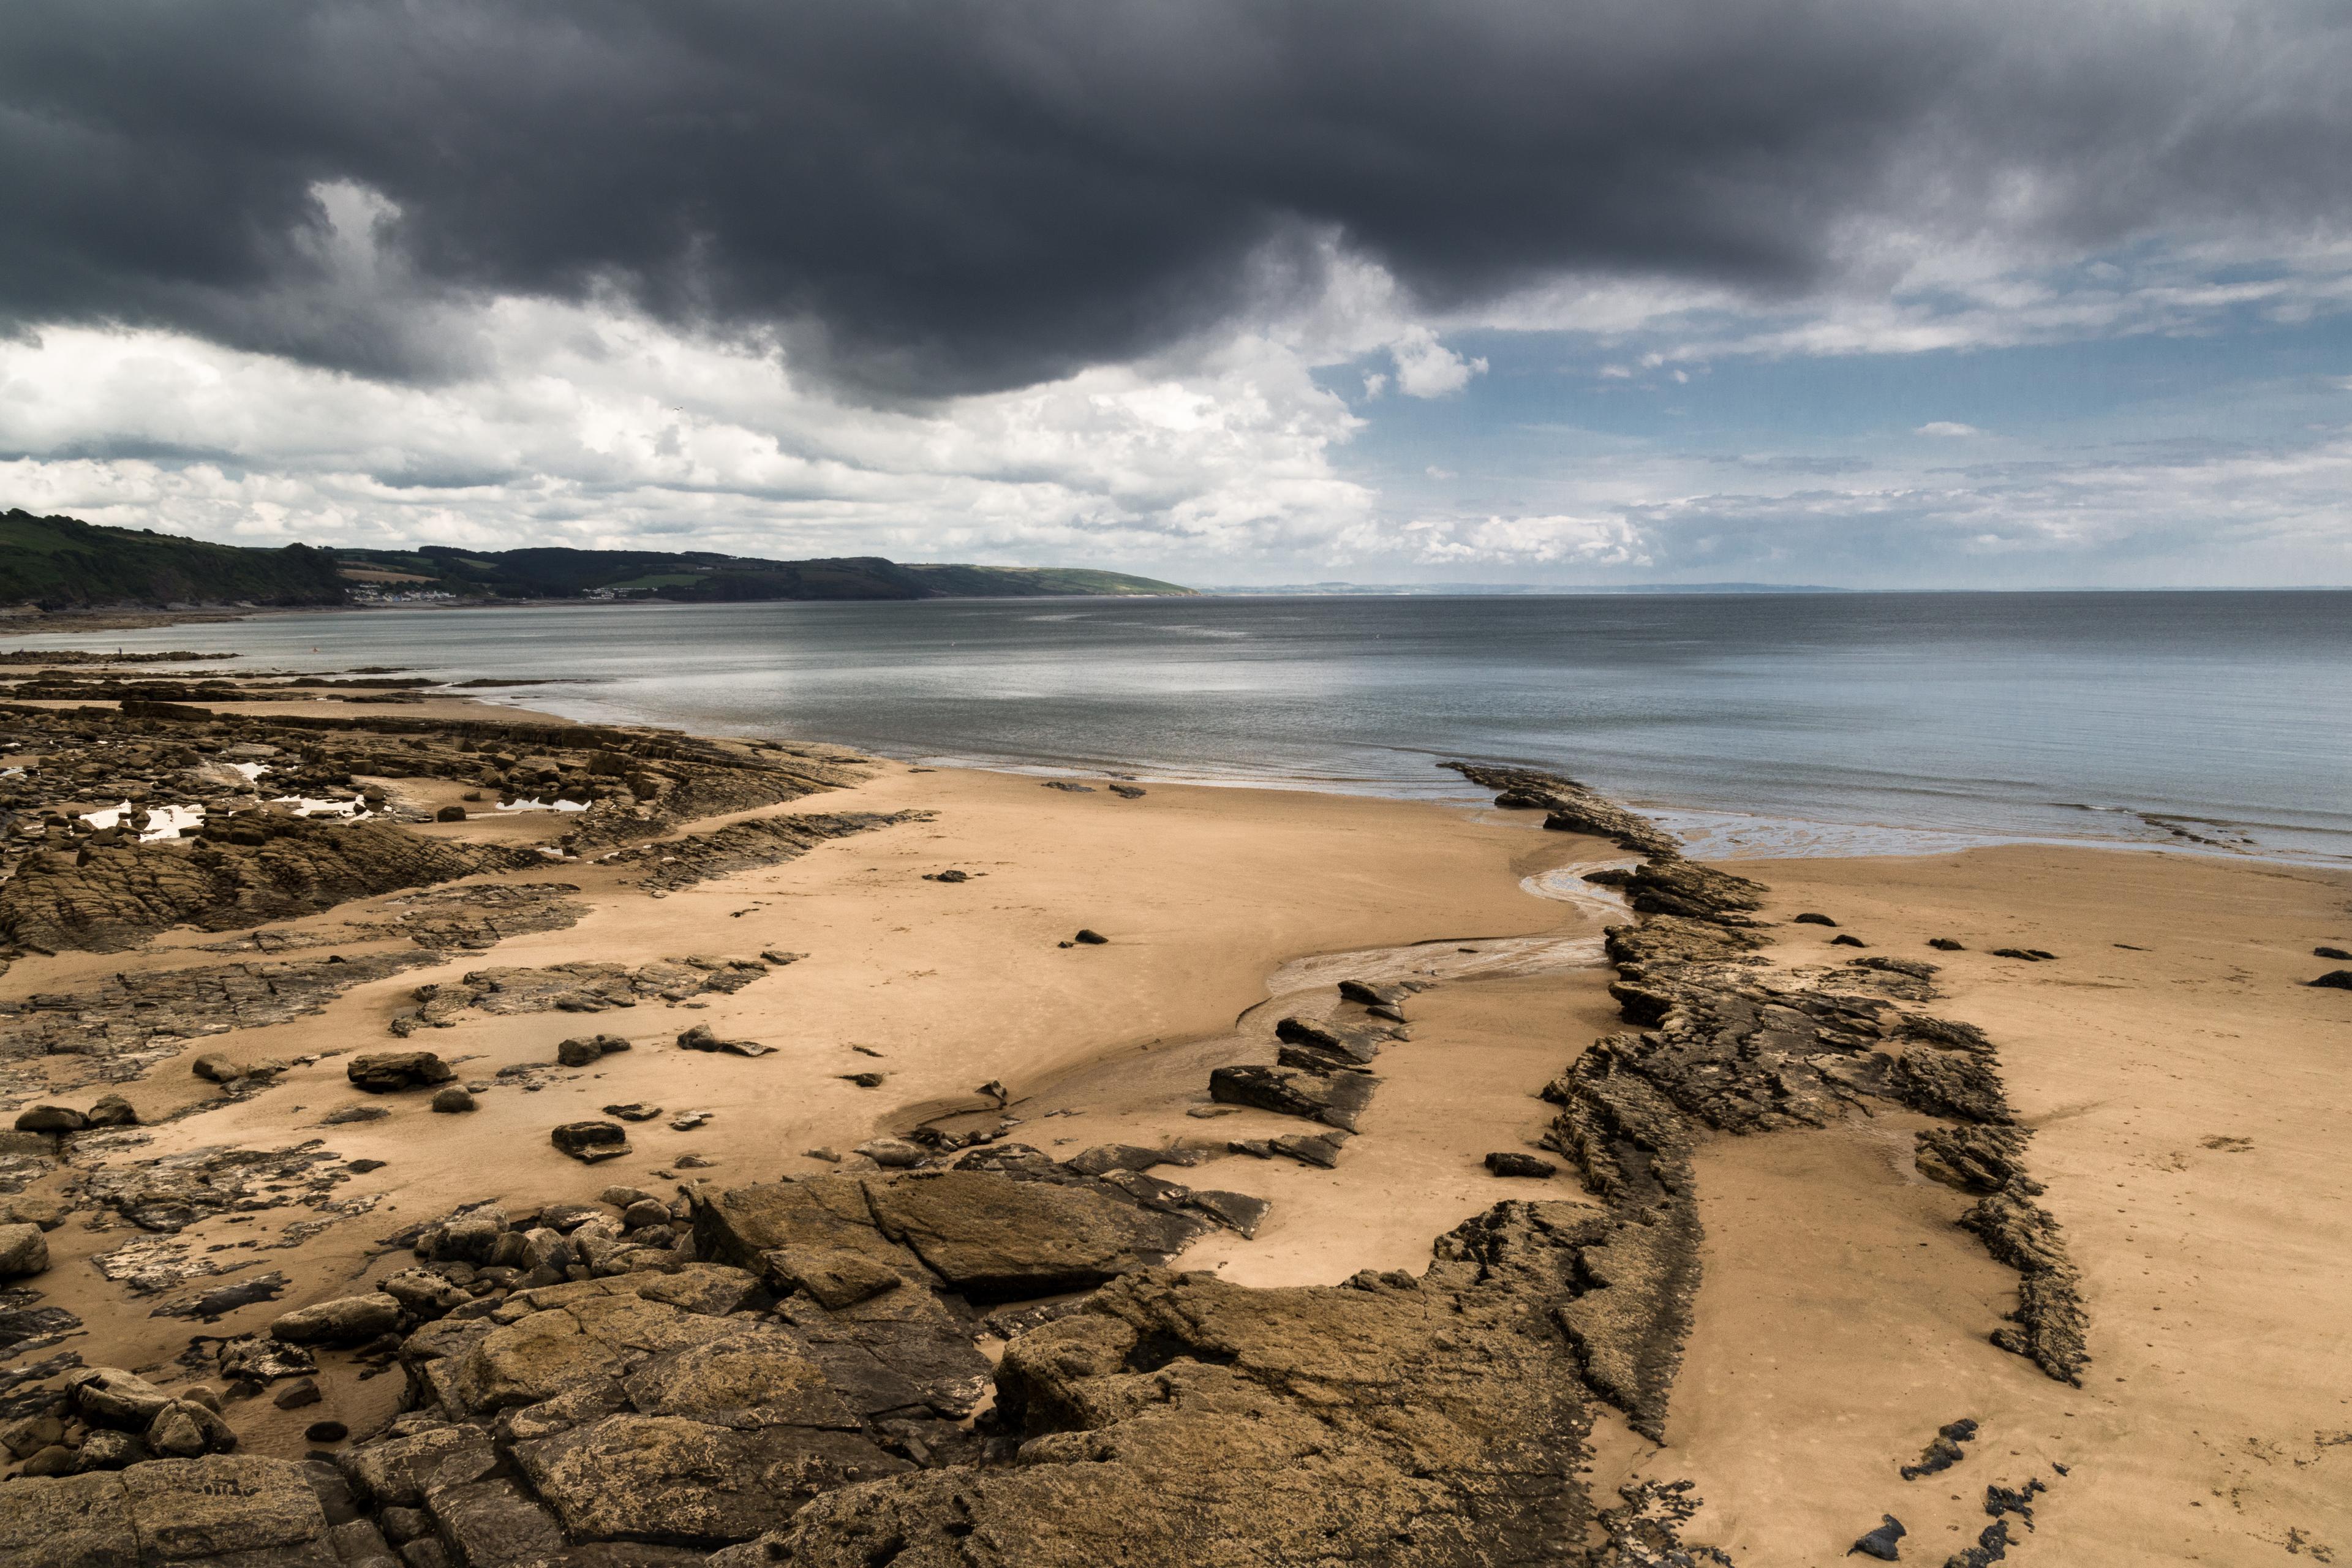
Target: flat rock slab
<point>677,1479</point>
<point>240,1511</point>
<point>1336,1100</point>
<point>997,1239</point>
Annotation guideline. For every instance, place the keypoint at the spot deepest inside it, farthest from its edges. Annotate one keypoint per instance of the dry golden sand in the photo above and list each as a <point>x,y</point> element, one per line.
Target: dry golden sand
<point>2189,1104</point>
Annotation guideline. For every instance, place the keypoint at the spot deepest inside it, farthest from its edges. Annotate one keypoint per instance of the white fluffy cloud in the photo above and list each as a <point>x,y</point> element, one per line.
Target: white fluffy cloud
<point>592,427</point>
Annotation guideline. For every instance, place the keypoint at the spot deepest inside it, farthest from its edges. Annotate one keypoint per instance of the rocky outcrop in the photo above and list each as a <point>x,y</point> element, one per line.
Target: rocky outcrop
<point>763,841</point>
<point>125,1025</point>
<point>584,987</point>
<point>106,899</point>
<point>226,1510</point>
<point>1572,807</point>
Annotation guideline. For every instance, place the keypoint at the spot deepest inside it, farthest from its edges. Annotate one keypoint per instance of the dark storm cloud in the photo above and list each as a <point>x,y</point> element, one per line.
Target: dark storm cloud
<point>956,195</point>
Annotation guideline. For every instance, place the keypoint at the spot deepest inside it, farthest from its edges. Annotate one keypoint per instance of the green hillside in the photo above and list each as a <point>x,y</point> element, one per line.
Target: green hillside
<point>60,563</point>
<point>702,577</point>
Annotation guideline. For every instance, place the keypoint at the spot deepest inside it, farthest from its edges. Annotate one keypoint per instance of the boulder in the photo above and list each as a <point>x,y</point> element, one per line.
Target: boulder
<point>23,1250</point>
<point>112,1110</point>
<point>184,1429</point>
<point>589,1142</point>
<point>634,1111</point>
<point>1880,1543</point>
<point>50,1118</point>
<point>109,1396</point>
<point>1091,938</point>
<point>387,1072</point>
<point>1510,1163</point>
<point>1813,920</point>
<point>349,1319</point>
<point>214,1068</point>
<point>454,1097</point>
<point>450,813</point>
<point>583,1050</point>
<point>2335,980</point>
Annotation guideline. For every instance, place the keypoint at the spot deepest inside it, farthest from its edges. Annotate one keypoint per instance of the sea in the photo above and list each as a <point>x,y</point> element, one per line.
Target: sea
<point>1756,724</point>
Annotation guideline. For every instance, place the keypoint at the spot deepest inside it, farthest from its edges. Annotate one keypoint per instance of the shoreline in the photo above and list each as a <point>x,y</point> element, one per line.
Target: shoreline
<point>1805,1267</point>
<point>1713,832</point>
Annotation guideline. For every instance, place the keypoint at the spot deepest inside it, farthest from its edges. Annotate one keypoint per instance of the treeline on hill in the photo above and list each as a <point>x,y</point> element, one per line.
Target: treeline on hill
<point>62,563</point>
<point>59,564</point>
<point>699,575</point>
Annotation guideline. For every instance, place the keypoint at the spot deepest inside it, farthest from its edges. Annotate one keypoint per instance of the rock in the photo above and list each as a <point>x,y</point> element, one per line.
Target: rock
<point>1813,920</point>
<point>780,958</point>
<point>48,1212</point>
<point>1127,791</point>
<point>634,1111</point>
<point>590,1142</point>
<point>687,1121</point>
<point>584,1050</point>
<point>111,1451</point>
<point>349,1320</point>
<point>1945,944</point>
<point>296,1394</point>
<point>2335,980</point>
<point>835,1279</point>
<point>256,1359</point>
<point>1235,1211</point>
<point>1336,1098</point>
<point>1880,1543</point>
<point>894,1154</point>
<point>109,1396</point>
<point>424,1294</point>
<point>1943,1452</point>
<point>387,1072</point>
<point>50,1118</point>
<point>1069,786</point>
<point>1116,1157</point>
<point>2030,955</point>
<point>1373,992</point>
<point>1320,1149</point>
<point>996,1239</point>
<point>632,1475</point>
<point>450,813</point>
<point>214,1068</point>
<point>1087,938</point>
<point>1510,1162</point>
<point>455,1098</point>
<point>2330,952</point>
<point>112,1110</point>
<point>23,1250</point>
<point>343,1116</point>
<point>1847,940</point>
<point>865,1079</point>
<point>325,1432</point>
<point>947,877</point>
<point>645,1212</point>
<point>701,1039</point>
<point>184,1429</point>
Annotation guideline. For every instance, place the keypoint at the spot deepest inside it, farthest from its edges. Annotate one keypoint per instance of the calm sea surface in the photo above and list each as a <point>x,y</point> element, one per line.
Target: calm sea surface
<point>1770,724</point>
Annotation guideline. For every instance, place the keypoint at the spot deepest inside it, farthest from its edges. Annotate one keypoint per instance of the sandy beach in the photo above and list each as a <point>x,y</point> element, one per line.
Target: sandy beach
<point>2180,1081</point>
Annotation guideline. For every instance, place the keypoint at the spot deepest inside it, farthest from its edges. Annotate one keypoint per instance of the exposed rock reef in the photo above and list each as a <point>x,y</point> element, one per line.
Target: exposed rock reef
<point>747,846</point>
<point>134,1019</point>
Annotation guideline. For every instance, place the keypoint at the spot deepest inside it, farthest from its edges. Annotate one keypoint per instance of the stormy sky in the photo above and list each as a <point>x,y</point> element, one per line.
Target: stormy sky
<point>1849,292</point>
